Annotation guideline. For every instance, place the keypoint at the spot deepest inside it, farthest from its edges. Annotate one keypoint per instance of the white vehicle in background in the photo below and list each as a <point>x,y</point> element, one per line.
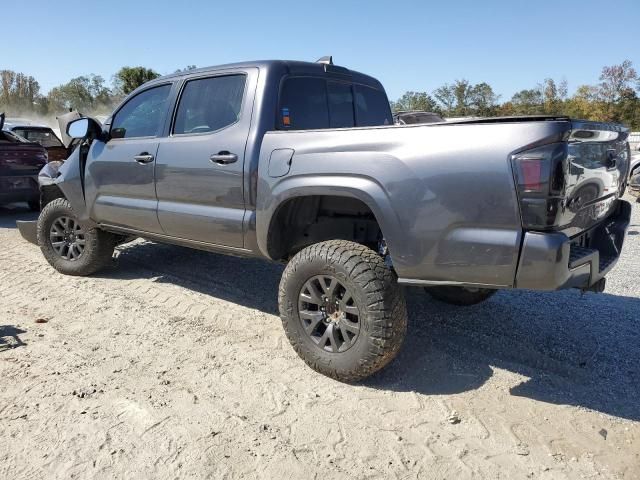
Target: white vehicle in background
<point>461,119</point>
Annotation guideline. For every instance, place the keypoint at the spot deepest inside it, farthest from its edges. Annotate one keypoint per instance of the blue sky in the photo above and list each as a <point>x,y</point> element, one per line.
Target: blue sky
<point>408,45</point>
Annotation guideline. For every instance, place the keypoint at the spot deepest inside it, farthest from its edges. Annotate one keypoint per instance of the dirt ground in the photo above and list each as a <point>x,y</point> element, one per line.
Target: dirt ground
<point>173,364</point>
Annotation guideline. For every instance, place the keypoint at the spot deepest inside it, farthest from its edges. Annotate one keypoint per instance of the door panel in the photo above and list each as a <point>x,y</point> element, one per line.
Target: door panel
<point>120,180</point>
<point>123,189</point>
<point>199,168</point>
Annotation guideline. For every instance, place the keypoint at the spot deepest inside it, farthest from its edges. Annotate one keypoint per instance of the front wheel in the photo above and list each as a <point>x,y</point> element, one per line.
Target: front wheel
<point>68,246</point>
<point>462,296</point>
<point>342,309</point>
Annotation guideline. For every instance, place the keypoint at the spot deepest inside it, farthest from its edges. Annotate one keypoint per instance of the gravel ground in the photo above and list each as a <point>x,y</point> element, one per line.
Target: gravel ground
<point>173,364</point>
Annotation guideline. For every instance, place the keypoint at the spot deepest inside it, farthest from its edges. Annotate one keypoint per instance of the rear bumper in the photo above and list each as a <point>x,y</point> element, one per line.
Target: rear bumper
<point>29,230</point>
<point>553,261</point>
<point>19,189</point>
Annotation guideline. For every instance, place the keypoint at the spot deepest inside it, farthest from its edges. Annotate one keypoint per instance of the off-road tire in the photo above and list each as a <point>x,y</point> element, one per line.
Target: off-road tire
<point>98,246</point>
<point>377,296</point>
<point>461,296</point>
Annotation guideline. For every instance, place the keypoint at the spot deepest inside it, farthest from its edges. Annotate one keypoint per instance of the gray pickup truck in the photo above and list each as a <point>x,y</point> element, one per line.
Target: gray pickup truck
<point>300,163</point>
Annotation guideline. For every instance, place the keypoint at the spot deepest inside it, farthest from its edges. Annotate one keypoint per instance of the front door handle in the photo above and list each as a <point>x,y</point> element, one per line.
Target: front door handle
<point>223,158</point>
<point>144,157</point>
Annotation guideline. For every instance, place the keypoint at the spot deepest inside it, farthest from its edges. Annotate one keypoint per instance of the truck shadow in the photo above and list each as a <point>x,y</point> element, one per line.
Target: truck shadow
<point>10,337</point>
<point>16,211</point>
<point>581,350</point>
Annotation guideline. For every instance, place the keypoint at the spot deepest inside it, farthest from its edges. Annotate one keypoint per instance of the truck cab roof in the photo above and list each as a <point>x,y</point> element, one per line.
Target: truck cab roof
<point>282,67</point>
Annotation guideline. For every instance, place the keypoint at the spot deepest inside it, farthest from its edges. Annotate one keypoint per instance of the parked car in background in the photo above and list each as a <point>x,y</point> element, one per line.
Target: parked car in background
<point>634,164</point>
<point>634,141</point>
<point>20,163</point>
<point>634,175</point>
<point>416,117</point>
<point>41,134</point>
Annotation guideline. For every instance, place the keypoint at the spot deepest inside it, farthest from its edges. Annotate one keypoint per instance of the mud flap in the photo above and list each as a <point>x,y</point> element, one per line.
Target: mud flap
<point>28,230</point>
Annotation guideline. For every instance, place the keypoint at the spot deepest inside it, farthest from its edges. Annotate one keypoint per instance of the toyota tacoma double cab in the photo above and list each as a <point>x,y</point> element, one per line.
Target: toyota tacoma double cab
<point>300,162</point>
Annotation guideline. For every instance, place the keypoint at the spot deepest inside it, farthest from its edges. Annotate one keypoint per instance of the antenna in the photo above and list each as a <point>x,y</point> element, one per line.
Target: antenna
<point>328,60</point>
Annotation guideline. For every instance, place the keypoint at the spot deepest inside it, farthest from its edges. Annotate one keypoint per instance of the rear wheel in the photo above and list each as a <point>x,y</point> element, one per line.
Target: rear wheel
<point>463,296</point>
<point>68,246</point>
<point>342,309</point>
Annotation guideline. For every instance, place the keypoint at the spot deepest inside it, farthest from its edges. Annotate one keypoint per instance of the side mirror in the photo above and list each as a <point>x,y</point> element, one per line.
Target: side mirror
<point>118,133</point>
<point>78,128</point>
<point>83,128</point>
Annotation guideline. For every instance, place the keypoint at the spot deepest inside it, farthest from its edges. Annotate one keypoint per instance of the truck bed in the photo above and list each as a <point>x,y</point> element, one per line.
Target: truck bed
<point>446,194</point>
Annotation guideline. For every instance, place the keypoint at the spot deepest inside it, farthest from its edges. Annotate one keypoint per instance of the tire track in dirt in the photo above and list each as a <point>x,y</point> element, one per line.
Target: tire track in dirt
<point>192,378</point>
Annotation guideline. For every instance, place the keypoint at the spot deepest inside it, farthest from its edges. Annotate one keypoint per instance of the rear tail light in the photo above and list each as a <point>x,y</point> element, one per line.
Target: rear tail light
<point>540,176</point>
<point>531,169</point>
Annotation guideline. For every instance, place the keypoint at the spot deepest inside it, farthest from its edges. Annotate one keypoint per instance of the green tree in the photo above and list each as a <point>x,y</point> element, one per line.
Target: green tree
<point>127,79</point>
<point>527,102</point>
<point>617,87</point>
<point>188,68</point>
<point>18,92</point>
<point>554,95</point>
<point>446,98</point>
<point>484,100</point>
<point>86,93</point>
<point>463,91</point>
<point>415,101</point>
<point>586,104</point>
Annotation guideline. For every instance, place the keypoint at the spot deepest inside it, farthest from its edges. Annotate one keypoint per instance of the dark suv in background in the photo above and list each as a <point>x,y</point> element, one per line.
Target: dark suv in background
<point>43,135</point>
<point>20,162</point>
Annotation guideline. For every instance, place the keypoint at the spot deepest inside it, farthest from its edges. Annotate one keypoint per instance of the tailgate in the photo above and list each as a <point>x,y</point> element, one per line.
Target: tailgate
<point>597,169</point>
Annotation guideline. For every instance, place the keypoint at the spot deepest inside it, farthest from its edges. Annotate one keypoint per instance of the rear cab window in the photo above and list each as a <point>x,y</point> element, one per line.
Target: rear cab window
<point>308,103</point>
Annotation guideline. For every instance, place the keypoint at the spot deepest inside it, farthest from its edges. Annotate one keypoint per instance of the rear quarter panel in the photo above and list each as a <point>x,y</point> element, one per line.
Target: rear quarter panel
<point>443,195</point>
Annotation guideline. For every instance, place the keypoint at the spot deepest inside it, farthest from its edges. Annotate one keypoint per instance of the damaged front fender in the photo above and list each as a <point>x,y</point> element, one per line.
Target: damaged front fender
<point>68,178</point>
<point>49,173</point>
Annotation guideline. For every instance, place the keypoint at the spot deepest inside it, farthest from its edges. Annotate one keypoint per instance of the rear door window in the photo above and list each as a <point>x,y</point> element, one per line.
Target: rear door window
<point>209,104</point>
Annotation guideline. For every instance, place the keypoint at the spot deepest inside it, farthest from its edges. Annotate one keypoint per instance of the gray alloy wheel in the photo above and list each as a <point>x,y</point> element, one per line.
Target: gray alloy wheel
<point>342,309</point>
<point>329,314</point>
<point>67,238</point>
<point>69,246</point>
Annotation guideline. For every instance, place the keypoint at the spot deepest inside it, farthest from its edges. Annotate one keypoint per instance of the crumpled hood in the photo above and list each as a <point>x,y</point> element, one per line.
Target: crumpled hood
<point>63,121</point>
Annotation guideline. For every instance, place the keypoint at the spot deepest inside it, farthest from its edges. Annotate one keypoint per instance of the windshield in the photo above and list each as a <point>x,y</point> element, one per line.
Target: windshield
<point>10,137</point>
<point>43,136</point>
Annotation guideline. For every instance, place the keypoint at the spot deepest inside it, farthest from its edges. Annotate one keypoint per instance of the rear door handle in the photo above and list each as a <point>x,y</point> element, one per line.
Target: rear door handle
<point>223,158</point>
<point>144,157</point>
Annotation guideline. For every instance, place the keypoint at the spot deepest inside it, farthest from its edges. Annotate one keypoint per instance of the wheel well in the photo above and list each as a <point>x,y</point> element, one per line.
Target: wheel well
<point>303,221</point>
<point>49,193</point>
